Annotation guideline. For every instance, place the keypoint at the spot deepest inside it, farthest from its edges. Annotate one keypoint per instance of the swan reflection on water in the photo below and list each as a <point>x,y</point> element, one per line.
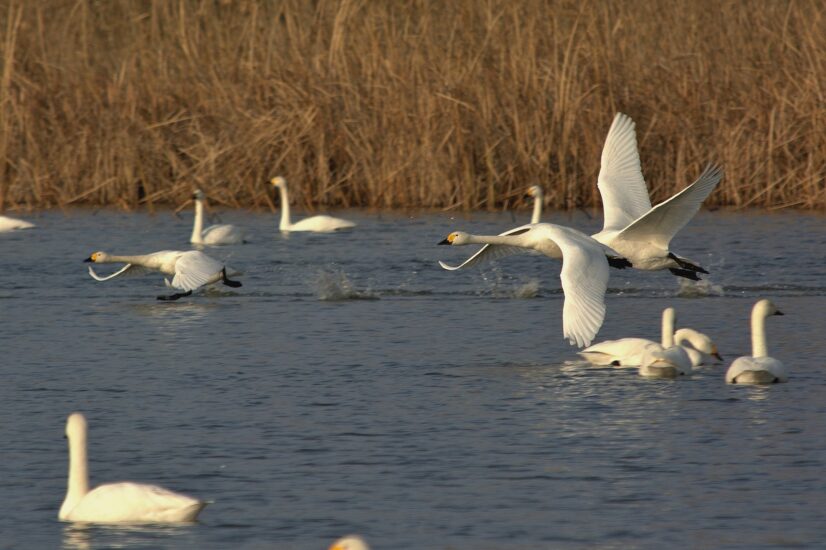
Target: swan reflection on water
<point>85,536</point>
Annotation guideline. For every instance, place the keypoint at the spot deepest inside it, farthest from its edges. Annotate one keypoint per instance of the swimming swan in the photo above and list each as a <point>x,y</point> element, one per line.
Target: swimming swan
<point>190,269</point>
<point>700,347</point>
<point>538,195</point>
<point>214,234</point>
<point>123,502</point>
<point>584,269</point>
<point>317,224</point>
<point>665,360</point>
<point>12,224</point>
<point>350,542</point>
<point>631,226</point>
<point>759,368</point>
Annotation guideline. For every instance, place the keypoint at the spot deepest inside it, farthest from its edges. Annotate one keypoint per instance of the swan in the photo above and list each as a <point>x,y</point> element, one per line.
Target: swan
<point>350,542</point>
<point>190,269</point>
<point>317,224</point>
<point>12,224</point>
<point>700,347</point>
<point>665,360</point>
<point>584,269</point>
<point>631,226</point>
<point>759,368</point>
<point>214,234</point>
<point>122,502</point>
<point>538,195</point>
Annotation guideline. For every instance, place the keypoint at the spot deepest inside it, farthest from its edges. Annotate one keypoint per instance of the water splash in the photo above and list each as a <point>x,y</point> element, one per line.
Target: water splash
<point>334,286</point>
<point>698,289</point>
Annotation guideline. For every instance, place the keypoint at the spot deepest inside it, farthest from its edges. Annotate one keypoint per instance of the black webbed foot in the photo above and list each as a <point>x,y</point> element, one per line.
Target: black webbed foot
<point>692,275</point>
<point>228,282</point>
<point>618,262</point>
<point>175,296</point>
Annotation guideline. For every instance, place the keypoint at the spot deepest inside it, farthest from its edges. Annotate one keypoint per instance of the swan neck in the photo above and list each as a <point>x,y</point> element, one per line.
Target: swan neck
<point>285,207</point>
<point>78,484</point>
<point>668,328</point>
<point>537,209</point>
<point>198,225</point>
<point>758,335</point>
<point>135,260</point>
<point>508,240</point>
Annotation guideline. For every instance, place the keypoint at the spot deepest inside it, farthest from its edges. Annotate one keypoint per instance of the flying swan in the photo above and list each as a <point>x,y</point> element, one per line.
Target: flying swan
<point>584,269</point>
<point>190,269</point>
<point>316,224</point>
<point>759,368</point>
<point>631,226</point>
<point>122,502</point>
<point>13,224</point>
<point>214,234</point>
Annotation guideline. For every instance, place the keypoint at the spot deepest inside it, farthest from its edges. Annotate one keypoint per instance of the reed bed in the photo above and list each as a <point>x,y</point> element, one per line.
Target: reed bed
<point>406,103</point>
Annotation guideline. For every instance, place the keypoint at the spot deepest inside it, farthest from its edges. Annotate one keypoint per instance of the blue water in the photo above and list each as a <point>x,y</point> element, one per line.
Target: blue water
<point>351,385</point>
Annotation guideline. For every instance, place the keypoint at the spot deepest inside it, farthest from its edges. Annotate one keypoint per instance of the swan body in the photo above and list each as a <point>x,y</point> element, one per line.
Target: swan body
<point>123,502</point>
<point>665,360</point>
<point>700,347</point>
<point>13,224</point>
<point>584,269</point>
<point>214,234</point>
<point>538,195</point>
<point>350,542</point>
<point>316,224</point>
<point>631,226</point>
<point>759,368</point>
<point>190,269</point>
<point>624,352</point>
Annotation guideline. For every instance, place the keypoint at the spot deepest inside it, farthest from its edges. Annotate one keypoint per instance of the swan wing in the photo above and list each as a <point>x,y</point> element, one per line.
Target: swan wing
<point>584,281</point>
<point>620,182</point>
<point>757,364</point>
<point>490,252</point>
<point>223,234</point>
<point>195,269</point>
<point>127,270</point>
<point>659,225</point>
<point>135,502</point>
<point>321,224</point>
<point>625,351</point>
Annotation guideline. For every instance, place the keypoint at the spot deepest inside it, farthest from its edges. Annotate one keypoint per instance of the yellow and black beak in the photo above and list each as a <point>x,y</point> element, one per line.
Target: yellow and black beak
<point>717,356</point>
<point>778,312</point>
<point>444,241</point>
<point>89,259</point>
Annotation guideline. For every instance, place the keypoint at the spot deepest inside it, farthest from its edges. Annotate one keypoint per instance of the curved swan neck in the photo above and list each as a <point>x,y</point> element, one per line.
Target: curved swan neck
<point>537,209</point>
<point>508,240</point>
<point>758,334</point>
<point>285,207</point>
<point>198,225</point>
<point>78,484</point>
<point>668,327</point>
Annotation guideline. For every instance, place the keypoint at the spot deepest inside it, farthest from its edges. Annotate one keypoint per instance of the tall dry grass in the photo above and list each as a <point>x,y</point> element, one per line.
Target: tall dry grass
<point>406,103</point>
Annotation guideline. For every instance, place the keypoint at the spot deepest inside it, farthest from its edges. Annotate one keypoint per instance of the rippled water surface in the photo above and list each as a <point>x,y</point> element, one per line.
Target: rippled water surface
<point>351,385</point>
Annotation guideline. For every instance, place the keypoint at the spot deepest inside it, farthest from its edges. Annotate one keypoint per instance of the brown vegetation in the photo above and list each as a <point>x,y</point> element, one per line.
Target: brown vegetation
<point>406,102</point>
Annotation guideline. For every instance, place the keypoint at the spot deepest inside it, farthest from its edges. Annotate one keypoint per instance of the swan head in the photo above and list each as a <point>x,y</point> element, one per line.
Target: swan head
<point>765,308</point>
<point>456,238</point>
<point>350,542</point>
<point>198,195</point>
<point>278,181</point>
<point>76,426</point>
<point>535,191</point>
<point>97,257</point>
<point>697,340</point>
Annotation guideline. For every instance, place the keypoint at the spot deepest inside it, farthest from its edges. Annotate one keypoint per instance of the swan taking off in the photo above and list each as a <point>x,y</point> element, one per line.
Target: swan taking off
<point>759,368</point>
<point>584,269</point>
<point>316,224</point>
<point>123,502</point>
<point>538,195</point>
<point>350,542</point>
<point>214,234</point>
<point>13,224</point>
<point>631,226</point>
<point>190,270</point>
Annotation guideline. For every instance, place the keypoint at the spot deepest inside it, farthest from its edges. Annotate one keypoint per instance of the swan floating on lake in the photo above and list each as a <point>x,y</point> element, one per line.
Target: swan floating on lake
<point>700,347</point>
<point>631,226</point>
<point>122,502</point>
<point>190,269</point>
<point>214,234</point>
<point>538,195</point>
<point>759,368</point>
<point>316,224</point>
<point>665,360</point>
<point>584,269</point>
<point>350,542</point>
<point>13,224</point>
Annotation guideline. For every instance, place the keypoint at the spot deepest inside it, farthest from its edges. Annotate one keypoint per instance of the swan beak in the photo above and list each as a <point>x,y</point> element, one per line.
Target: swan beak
<point>778,312</point>
<point>717,356</point>
<point>89,259</point>
<point>444,241</point>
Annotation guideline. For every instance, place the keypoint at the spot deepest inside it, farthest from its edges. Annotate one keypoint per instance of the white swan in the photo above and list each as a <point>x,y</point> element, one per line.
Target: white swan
<point>631,226</point>
<point>538,195</point>
<point>584,269</point>
<point>190,269</point>
<point>123,502</point>
<point>350,542</point>
<point>700,347</point>
<point>665,360</point>
<point>12,224</point>
<point>214,234</point>
<point>627,352</point>
<point>317,224</point>
<point>759,368</point>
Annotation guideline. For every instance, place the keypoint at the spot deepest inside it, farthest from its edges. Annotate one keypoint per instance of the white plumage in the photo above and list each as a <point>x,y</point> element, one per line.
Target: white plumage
<point>13,224</point>
<point>220,234</point>
<point>316,224</point>
<point>538,195</point>
<point>758,368</point>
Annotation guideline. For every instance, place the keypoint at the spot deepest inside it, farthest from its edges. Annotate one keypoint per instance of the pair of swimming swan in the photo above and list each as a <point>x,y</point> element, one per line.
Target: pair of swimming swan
<point>122,502</point>
<point>632,232</point>
<point>13,224</point>
<point>190,270</point>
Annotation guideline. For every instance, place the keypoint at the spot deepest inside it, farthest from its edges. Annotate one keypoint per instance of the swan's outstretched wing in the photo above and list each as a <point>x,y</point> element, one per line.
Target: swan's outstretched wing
<point>620,181</point>
<point>194,269</point>
<point>490,252</point>
<point>659,225</point>
<point>127,270</point>
<point>584,282</point>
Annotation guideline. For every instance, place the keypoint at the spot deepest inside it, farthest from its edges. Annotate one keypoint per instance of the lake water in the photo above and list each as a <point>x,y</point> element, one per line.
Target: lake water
<point>352,385</point>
